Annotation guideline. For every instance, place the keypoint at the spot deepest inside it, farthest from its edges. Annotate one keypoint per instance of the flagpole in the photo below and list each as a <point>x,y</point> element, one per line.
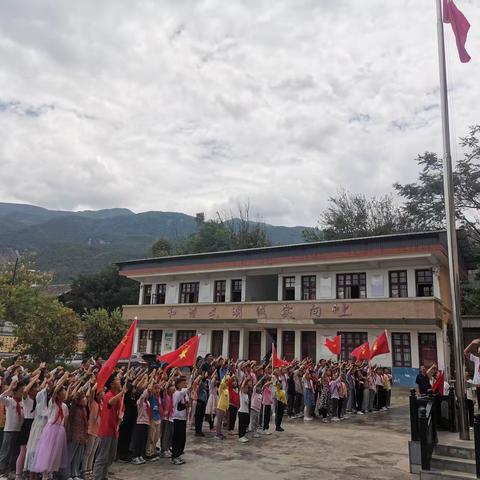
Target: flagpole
<point>451,236</point>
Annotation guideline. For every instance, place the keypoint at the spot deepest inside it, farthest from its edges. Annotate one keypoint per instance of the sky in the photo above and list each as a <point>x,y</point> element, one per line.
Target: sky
<point>200,105</point>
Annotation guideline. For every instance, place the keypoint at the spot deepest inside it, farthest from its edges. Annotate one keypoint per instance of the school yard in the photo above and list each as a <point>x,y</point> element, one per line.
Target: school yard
<point>372,447</point>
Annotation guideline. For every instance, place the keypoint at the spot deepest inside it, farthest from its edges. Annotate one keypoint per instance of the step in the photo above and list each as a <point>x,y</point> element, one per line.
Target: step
<point>440,462</point>
<point>445,475</point>
<point>454,451</point>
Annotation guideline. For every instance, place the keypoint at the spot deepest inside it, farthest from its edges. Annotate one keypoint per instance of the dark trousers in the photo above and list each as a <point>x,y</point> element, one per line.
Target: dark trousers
<point>359,396</point>
<point>232,416</point>
<point>139,440</point>
<point>290,403</point>
<point>470,410</point>
<point>179,437</point>
<point>199,415</point>
<point>267,410</point>
<point>298,402</point>
<point>335,407</point>
<point>9,451</point>
<point>380,397</point>
<point>107,449</point>
<point>279,414</point>
<point>323,412</point>
<point>211,419</point>
<point>243,421</point>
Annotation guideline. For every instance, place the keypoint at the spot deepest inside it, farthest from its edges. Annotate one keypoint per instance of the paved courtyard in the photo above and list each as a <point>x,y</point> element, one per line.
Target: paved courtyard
<point>363,447</point>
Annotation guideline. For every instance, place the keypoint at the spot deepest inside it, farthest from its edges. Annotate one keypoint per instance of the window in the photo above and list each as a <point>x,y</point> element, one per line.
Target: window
<point>351,340</point>
<point>147,294</point>
<point>236,295</point>
<point>398,284</point>
<point>309,287</point>
<point>159,297</point>
<point>424,279</point>
<point>352,285</point>
<point>142,340</point>
<point>156,341</point>
<point>402,356</point>
<point>189,292</point>
<point>219,294</point>
<point>289,288</point>
<point>217,343</point>
<point>183,336</point>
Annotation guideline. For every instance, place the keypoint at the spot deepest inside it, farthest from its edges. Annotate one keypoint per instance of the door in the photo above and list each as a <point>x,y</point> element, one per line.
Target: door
<point>233,344</point>
<point>427,348</point>
<point>157,341</point>
<point>217,343</point>
<point>288,345</point>
<point>254,345</point>
<point>270,337</point>
<point>309,345</point>
<point>183,336</point>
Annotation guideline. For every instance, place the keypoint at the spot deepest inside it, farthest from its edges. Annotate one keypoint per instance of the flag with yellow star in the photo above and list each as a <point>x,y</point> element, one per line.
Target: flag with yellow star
<point>184,356</point>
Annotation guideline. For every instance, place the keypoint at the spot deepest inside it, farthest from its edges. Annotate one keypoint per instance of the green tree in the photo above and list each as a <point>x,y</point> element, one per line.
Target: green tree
<point>105,289</point>
<point>211,236</point>
<point>350,215</point>
<point>49,331</point>
<point>162,248</point>
<point>103,331</point>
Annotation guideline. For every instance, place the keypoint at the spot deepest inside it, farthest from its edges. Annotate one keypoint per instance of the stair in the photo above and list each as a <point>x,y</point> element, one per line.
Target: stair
<point>451,463</point>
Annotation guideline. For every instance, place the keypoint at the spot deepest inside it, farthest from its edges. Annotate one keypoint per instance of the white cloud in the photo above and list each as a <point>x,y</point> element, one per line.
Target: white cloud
<point>196,105</point>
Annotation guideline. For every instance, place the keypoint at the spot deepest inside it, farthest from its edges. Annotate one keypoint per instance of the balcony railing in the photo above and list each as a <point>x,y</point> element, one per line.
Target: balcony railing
<point>289,312</point>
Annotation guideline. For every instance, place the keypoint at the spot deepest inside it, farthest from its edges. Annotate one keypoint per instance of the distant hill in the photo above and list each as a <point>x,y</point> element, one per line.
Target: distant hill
<point>69,243</point>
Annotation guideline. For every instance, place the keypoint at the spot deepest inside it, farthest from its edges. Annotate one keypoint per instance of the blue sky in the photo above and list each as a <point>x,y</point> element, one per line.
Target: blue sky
<point>198,105</point>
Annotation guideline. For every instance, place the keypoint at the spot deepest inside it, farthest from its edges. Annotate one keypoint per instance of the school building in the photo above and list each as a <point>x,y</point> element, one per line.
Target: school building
<point>297,295</point>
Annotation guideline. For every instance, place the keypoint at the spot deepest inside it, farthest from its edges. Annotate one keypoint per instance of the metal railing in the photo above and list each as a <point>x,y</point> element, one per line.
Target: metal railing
<point>428,432</point>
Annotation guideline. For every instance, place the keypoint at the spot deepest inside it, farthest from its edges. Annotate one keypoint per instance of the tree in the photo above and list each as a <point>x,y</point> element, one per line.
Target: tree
<point>424,200</point>
<point>105,289</point>
<point>352,215</point>
<point>162,247</point>
<point>103,331</point>
<point>211,236</point>
<point>51,330</point>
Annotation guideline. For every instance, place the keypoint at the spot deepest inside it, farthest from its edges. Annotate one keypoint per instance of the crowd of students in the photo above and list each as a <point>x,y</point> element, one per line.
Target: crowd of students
<point>56,423</point>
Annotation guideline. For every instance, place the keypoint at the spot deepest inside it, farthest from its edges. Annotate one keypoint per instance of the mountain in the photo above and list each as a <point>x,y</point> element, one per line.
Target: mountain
<point>68,243</point>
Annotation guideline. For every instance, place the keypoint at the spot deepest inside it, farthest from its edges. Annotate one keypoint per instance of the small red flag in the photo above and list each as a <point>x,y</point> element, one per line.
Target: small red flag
<point>334,345</point>
<point>362,352</point>
<point>460,27</point>
<point>380,345</point>
<point>122,351</point>
<point>278,362</point>
<point>183,356</point>
<point>439,384</point>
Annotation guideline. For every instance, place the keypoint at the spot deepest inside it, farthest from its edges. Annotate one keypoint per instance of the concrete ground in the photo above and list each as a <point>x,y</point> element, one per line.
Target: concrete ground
<point>372,447</point>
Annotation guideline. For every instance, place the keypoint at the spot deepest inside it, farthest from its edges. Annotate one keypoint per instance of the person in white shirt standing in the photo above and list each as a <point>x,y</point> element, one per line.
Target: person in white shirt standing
<point>472,353</point>
<point>180,406</point>
<point>12,399</point>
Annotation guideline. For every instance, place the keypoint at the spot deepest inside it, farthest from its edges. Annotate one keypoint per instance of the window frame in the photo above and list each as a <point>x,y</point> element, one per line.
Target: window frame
<point>217,291</point>
<point>236,291</point>
<point>192,289</point>
<point>142,341</point>
<point>402,286</point>
<point>345,281</point>
<point>291,288</point>
<point>309,292</point>
<point>404,349</point>
<point>147,288</point>
<point>160,296</point>
<point>421,285</point>
<point>351,340</point>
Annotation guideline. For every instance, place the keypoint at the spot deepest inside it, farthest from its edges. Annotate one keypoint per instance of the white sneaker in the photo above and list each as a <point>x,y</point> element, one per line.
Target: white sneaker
<point>243,439</point>
<point>359,413</point>
<point>135,461</point>
<point>335,419</point>
<point>307,419</point>
<point>325,420</point>
<point>384,408</point>
<point>142,460</point>
<point>177,461</point>
<point>266,432</point>
<point>256,435</point>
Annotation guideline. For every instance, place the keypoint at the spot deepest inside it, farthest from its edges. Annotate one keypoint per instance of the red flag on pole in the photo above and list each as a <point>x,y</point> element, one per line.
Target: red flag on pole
<point>121,352</point>
<point>362,352</point>
<point>460,27</point>
<point>334,345</point>
<point>439,384</point>
<point>277,362</point>
<point>183,356</point>
<point>380,345</point>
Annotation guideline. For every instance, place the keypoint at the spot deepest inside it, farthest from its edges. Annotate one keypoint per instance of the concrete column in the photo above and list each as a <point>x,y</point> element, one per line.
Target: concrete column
<point>412,287</point>
<point>280,288</point>
<point>148,348</point>
<point>298,344</point>
<point>436,281</point>
<point>225,351</point>
<point>140,295</point>
<point>241,344</point>
<point>262,345</point>
<point>298,287</point>
<point>244,288</point>
<point>319,341</point>
<point>414,348</point>
<point>279,343</point>
<point>228,290</point>
<point>135,340</point>
<point>440,350</point>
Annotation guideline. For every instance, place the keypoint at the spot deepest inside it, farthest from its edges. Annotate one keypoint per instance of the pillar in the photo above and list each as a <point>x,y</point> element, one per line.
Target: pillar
<point>135,340</point>
<point>140,295</point>
<point>279,343</point>
<point>318,343</point>
<point>241,344</point>
<point>298,344</point>
<point>262,345</point>
<point>225,351</point>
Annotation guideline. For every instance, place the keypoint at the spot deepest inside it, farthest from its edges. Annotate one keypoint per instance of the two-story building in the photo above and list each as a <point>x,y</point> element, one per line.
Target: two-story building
<point>297,295</point>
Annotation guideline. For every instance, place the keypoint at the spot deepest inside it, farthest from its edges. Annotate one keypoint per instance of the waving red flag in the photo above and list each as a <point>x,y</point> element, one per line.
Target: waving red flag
<point>380,345</point>
<point>121,352</point>
<point>334,345</point>
<point>460,27</point>
<point>278,362</point>
<point>183,356</point>
<point>439,385</point>
<point>362,352</point>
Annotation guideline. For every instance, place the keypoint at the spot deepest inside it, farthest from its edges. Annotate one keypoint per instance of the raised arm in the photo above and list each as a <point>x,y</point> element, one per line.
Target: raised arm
<point>472,349</point>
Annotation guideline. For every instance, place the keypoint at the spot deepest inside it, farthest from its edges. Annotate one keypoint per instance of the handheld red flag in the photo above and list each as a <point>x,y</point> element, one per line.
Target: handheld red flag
<point>183,356</point>
<point>460,27</point>
<point>277,362</point>
<point>334,345</point>
<point>362,352</point>
<point>122,351</point>
<point>439,384</point>
<point>380,345</point>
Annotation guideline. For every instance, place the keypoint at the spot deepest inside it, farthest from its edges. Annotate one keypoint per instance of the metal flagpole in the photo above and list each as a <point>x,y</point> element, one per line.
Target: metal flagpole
<point>452,237</point>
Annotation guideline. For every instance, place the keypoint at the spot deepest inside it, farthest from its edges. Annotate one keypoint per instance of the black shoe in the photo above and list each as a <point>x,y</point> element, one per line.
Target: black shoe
<point>279,429</point>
